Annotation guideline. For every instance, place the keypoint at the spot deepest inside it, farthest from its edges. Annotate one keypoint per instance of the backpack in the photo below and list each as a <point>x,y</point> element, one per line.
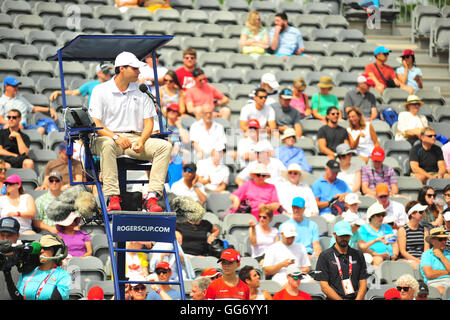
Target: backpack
<point>390,116</point>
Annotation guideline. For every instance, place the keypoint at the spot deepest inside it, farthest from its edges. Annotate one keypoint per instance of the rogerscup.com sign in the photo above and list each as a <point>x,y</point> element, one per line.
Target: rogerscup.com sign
<point>143,228</point>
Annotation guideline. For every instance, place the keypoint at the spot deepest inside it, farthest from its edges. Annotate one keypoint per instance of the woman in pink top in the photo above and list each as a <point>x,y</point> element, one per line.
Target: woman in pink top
<point>256,191</point>
<point>300,100</point>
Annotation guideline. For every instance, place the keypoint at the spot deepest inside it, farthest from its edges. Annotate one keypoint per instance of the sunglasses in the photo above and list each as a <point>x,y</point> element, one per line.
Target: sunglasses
<point>259,175</point>
<point>263,217</point>
<point>334,114</point>
<point>13,117</point>
<point>386,54</point>
<point>2,169</point>
<point>431,195</point>
<point>189,58</point>
<point>383,196</point>
<point>159,271</point>
<point>9,183</point>
<point>54,180</point>
<point>138,288</point>
<point>407,56</point>
<point>262,97</point>
<point>293,172</point>
<point>379,215</point>
<point>168,80</point>
<point>188,170</point>
<point>430,135</point>
<point>406,289</point>
<point>441,239</point>
<point>299,277</point>
<point>445,194</point>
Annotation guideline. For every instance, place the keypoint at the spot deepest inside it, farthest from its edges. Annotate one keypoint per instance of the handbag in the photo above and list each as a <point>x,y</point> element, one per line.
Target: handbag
<point>390,83</point>
<point>244,207</point>
<point>217,246</point>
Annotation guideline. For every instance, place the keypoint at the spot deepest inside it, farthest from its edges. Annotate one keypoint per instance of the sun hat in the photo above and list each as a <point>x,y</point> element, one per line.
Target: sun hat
<point>293,270</point>
<point>289,132</point>
<point>269,78</point>
<point>438,232</point>
<point>260,168</point>
<point>351,198</point>
<point>294,167</point>
<point>374,209</point>
<point>344,149</point>
<point>413,99</point>
<point>325,82</point>
<point>69,220</point>
<point>47,241</point>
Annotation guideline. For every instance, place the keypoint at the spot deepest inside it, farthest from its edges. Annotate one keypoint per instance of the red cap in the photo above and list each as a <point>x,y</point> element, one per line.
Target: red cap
<point>95,293</point>
<point>391,294</point>
<point>210,273</point>
<point>366,79</point>
<point>407,52</point>
<point>163,265</point>
<point>230,255</point>
<point>253,123</point>
<point>174,107</point>
<point>378,154</point>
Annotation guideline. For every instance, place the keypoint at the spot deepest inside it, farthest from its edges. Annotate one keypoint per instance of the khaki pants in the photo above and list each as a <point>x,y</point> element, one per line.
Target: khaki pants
<point>155,149</point>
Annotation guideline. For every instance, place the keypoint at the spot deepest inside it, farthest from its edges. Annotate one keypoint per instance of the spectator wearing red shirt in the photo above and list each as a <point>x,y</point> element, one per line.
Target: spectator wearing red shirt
<point>204,94</point>
<point>184,73</point>
<point>290,290</point>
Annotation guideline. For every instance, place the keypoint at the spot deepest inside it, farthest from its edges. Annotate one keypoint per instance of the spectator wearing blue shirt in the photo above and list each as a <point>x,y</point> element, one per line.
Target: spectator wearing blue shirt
<point>435,262</point>
<point>307,230</point>
<point>284,39</point>
<point>103,72</point>
<point>378,239</point>
<point>408,73</point>
<point>329,187</point>
<point>288,153</point>
<point>163,291</point>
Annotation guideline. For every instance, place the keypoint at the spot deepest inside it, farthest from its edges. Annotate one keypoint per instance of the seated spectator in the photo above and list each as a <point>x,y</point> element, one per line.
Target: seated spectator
<point>246,145</point>
<point>10,100</point>
<point>291,290</point>
<point>300,100</point>
<point>136,291</point>
<point>171,92</point>
<point>435,264</point>
<point>409,74</point>
<point>189,185</point>
<point>355,222</point>
<point>286,116</point>
<point>285,40</point>
<point>426,159</point>
<point>77,241</point>
<point>257,191</point>
<point>61,165</point>
<point>432,216</point>
<point>292,186</point>
<point>362,98</point>
<point>350,171</point>
<point>394,209</point>
<point>282,254</point>
<point>14,144</point>
<point>154,5</point>
<point>203,96</point>
<point>262,235</point>
<point>331,134</point>
<point>352,203</point>
<point>307,230</point>
<point>163,291</point>
<point>411,236</point>
<point>410,122</point>
<point>42,222</point>
<point>263,156</point>
<point>445,194</point>
<point>251,277</point>
<point>260,110</point>
<point>270,84</point>
<point>212,172</point>
<point>377,172</point>
<point>408,287</point>
<point>103,72</point>
<point>321,101</point>
<point>180,137</point>
<point>447,226</point>
<point>184,73</point>
<point>136,262</point>
<point>198,288</point>
<point>382,74</point>
<point>18,204</point>
<point>147,74</point>
<point>195,234</point>
<point>375,235</point>
<point>361,134</point>
<point>288,153</point>
<point>205,133</point>
<point>2,177</point>
<point>254,38</point>
<point>328,188</point>
<point>392,294</point>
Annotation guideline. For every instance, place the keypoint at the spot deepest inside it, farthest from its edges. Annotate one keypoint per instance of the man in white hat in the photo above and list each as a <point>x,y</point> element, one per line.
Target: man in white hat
<point>270,84</point>
<point>212,172</point>
<point>352,203</point>
<point>280,255</point>
<point>292,186</point>
<point>126,116</point>
<point>362,98</point>
<point>288,153</point>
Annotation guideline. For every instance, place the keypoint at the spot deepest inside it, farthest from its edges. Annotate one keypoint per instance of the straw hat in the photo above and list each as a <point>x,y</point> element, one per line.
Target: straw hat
<point>325,82</point>
<point>437,233</point>
<point>260,168</point>
<point>294,167</point>
<point>412,99</point>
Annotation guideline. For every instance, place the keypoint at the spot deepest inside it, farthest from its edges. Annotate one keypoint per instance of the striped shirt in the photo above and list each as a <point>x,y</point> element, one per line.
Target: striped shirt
<point>414,240</point>
<point>374,177</point>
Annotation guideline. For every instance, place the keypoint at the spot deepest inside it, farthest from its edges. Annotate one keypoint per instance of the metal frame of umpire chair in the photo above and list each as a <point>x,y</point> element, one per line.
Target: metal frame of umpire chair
<point>126,225</point>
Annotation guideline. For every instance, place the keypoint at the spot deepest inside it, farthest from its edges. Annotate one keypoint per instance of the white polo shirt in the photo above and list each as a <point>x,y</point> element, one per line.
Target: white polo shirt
<point>264,115</point>
<point>217,174</point>
<point>207,139</point>
<point>120,111</point>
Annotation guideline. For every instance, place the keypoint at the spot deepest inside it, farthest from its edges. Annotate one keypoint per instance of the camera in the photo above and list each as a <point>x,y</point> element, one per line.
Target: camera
<point>24,256</point>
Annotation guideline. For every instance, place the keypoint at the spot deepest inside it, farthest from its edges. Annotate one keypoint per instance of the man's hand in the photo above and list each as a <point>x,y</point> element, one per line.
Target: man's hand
<point>53,114</point>
<point>138,146</point>
<point>124,143</point>
<point>14,135</point>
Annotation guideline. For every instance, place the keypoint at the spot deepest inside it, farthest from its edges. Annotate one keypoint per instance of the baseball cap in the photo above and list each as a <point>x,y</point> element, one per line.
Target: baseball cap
<point>286,93</point>
<point>55,174</point>
<point>382,188</point>
<point>351,198</point>
<point>288,229</point>
<point>163,265</point>
<point>381,49</point>
<point>128,59</point>
<point>293,270</point>
<point>423,288</point>
<point>407,52</point>
<point>9,224</point>
<point>343,228</point>
<point>298,202</point>
<point>253,123</point>
<point>10,81</point>
<point>333,165</point>
<point>47,241</point>
<point>230,255</point>
<point>344,149</point>
<point>210,273</point>
<point>364,78</point>
<point>174,107</point>
<point>391,294</point>
<point>377,154</point>
<point>14,178</point>
<point>353,219</point>
<point>95,293</point>
<point>270,79</point>
<point>103,67</point>
<point>197,72</point>
<point>374,209</point>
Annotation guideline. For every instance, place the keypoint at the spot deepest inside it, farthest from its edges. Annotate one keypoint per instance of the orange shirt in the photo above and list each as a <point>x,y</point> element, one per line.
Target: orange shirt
<point>284,295</point>
<point>387,71</point>
<point>218,290</point>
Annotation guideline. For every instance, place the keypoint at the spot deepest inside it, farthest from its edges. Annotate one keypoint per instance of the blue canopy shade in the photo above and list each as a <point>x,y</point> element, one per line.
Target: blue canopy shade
<point>107,47</point>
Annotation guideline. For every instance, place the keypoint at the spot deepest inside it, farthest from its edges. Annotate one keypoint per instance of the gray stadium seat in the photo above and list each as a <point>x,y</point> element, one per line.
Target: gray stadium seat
<point>58,24</point>
<point>200,44</point>
<point>209,30</point>
<point>409,186</point>
<point>167,16</point>
<point>241,61</point>
<point>392,270</point>
<point>21,52</point>
<point>15,7</point>
<point>93,25</point>
<point>28,22</point>
<point>46,9</point>
<point>358,64</point>
<point>430,96</point>
<point>236,6</point>
<point>41,157</point>
<point>5,21</point>
<point>341,49</point>
<point>307,20</point>
<point>9,67</point>
<point>181,5</point>
<point>263,7</point>
<point>107,287</point>
<point>315,48</point>
<point>300,63</point>
<point>37,140</point>
<point>324,35</point>
<point>225,45</point>
<point>100,247</point>
<point>397,149</point>
<point>442,114</point>
<point>229,76</point>
<point>313,289</point>
<point>223,18</point>
<point>138,14</point>
<point>317,162</point>
<point>334,21</point>
<point>151,27</point>
<point>218,203</point>
<point>194,16</point>
<point>86,269</point>
<point>317,8</point>
<point>212,59</point>
<point>395,96</point>
<point>181,29</point>
<point>79,10</point>
<point>365,49</point>
<point>41,37</point>
<point>327,64</point>
<point>351,35</point>
<point>107,13</point>
<point>207,5</point>
<point>237,224</point>
<point>422,18</point>
<point>8,35</point>
<point>270,62</point>
<point>232,31</point>
<point>120,27</point>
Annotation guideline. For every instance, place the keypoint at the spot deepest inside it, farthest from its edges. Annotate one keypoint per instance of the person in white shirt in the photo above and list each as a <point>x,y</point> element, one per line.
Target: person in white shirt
<point>189,185</point>
<point>147,74</point>
<point>212,172</point>
<point>394,209</point>
<point>126,116</point>
<point>352,203</point>
<point>258,109</point>
<point>206,133</point>
<point>292,186</point>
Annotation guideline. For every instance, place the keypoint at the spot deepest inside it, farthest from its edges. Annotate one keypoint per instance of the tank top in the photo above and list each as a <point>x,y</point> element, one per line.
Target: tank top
<point>260,295</point>
<point>263,240</point>
<point>168,100</point>
<point>414,241</point>
<point>299,104</point>
<point>6,206</point>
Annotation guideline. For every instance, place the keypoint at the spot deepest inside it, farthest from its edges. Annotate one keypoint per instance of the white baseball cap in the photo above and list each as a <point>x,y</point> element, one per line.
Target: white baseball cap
<point>270,79</point>
<point>128,59</point>
<point>288,229</point>
<point>352,198</point>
